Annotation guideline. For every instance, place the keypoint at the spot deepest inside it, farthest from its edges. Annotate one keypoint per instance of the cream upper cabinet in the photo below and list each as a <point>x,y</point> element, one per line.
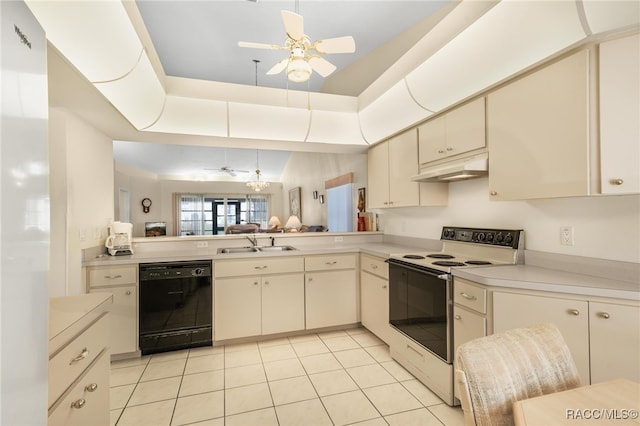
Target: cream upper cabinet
<point>391,165</point>
<point>456,132</point>
<point>538,133</point>
<point>619,111</point>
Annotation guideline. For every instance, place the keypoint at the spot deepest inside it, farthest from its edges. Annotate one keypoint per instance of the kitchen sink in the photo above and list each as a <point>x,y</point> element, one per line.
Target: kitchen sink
<point>276,248</point>
<point>238,250</point>
<point>252,249</point>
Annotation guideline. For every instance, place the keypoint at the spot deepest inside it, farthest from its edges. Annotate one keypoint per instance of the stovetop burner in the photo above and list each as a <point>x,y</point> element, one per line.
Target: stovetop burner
<point>447,263</point>
<point>440,256</point>
<point>478,262</point>
<point>413,256</point>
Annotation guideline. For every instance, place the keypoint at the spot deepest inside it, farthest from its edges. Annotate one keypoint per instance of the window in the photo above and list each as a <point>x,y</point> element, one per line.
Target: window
<point>204,214</point>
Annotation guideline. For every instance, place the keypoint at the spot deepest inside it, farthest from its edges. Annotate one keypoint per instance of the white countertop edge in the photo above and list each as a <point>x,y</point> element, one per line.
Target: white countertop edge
<point>542,279</point>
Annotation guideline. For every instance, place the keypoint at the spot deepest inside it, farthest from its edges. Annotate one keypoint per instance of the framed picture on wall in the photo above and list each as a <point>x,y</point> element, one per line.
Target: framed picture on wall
<point>294,203</point>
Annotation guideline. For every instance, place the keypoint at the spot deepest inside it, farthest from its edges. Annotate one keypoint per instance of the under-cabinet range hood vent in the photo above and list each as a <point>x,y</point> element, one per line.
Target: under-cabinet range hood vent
<point>458,169</point>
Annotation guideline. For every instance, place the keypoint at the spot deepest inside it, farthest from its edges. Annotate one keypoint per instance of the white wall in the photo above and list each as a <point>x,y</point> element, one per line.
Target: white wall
<point>142,184</point>
<point>604,227</point>
<point>82,174</point>
<point>309,171</point>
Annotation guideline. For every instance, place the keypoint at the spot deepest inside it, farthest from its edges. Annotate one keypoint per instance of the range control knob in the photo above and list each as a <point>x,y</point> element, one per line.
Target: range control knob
<point>499,237</point>
<point>481,236</point>
<point>508,239</point>
<point>489,237</point>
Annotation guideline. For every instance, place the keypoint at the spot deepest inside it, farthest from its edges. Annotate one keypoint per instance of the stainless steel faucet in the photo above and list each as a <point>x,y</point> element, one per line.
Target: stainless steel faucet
<point>253,239</point>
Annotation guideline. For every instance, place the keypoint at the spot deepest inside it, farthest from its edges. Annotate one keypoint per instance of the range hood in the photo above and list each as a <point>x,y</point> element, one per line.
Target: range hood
<point>456,169</point>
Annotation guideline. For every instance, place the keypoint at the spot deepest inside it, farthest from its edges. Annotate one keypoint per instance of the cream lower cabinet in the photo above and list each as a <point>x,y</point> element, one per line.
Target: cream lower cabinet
<point>513,310</point>
<point>331,290</point>
<point>374,296</point>
<point>121,281</point>
<point>615,341</point>
<point>538,133</point>
<point>254,305</point>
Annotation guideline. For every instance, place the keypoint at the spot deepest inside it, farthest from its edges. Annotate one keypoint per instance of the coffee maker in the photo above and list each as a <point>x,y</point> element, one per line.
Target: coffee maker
<point>118,242</point>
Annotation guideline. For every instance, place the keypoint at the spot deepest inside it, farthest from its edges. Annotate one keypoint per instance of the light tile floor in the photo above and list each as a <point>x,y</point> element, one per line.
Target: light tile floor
<point>341,377</point>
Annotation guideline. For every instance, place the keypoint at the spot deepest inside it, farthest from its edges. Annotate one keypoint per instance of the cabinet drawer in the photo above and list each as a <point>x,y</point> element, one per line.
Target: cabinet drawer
<point>258,266</point>
<point>467,294</point>
<point>68,364</point>
<point>116,275</point>
<point>330,262</point>
<point>374,265</point>
<point>87,402</point>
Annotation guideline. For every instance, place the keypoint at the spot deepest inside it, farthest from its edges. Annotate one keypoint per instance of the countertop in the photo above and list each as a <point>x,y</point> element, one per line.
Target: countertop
<point>527,277</point>
<point>523,277</point>
<point>69,314</point>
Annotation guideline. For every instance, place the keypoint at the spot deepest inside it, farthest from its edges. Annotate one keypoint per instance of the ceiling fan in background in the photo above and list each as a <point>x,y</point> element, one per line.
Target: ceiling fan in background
<point>304,56</point>
<point>228,170</point>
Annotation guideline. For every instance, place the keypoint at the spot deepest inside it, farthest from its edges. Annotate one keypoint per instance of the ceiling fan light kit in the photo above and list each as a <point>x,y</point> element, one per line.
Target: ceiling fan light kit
<point>300,64</point>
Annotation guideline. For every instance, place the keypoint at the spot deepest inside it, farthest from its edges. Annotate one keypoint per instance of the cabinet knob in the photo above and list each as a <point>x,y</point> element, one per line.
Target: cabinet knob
<point>255,283</point>
<point>91,388</point>
<point>449,148</point>
<point>79,403</point>
<point>333,262</point>
<point>384,286</point>
<point>112,277</point>
<point>441,151</point>
<point>458,317</point>
<point>128,293</point>
<point>493,193</point>
<point>604,315</point>
<point>266,283</point>
<point>83,355</point>
<point>310,279</point>
<point>616,181</point>
<point>260,267</point>
<point>374,266</point>
<point>573,312</point>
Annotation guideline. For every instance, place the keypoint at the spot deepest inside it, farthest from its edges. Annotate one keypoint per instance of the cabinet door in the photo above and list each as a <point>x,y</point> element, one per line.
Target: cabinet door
<point>466,128</point>
<point>432,140</point>
<point>467,326</point>
<point>538,133</point>
<point>84,407</point>
<point>619,112</point>
<point>123,319</point>
<point>330,298</point>
<point>511,310</point>
<point>374,305</point>
<point>378,176</point>
<point>403,164</point>
<point>615,342</point>
<point>237,307</point>
<point>282,303</point>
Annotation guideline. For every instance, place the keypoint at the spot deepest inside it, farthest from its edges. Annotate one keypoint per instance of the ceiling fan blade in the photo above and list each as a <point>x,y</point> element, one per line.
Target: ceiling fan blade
<point>336,45</point>
<point>293,24</point>
<point>277,68</point>
<point>260,45</point>
<point>321,66</point>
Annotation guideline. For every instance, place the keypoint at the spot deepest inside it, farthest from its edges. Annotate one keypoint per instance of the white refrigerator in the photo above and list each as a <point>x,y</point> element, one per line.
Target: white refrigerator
<point>24,218</point>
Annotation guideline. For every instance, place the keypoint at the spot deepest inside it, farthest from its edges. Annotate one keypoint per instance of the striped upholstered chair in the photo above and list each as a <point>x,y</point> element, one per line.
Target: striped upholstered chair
<point>495,371</point>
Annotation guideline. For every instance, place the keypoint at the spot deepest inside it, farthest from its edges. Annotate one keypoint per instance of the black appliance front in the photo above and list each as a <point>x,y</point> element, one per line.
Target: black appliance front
<point>175,306</point>
<point>420,306</point>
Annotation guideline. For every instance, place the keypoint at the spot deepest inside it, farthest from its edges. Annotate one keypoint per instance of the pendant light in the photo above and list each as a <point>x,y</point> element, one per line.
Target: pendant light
<point>257,184</point>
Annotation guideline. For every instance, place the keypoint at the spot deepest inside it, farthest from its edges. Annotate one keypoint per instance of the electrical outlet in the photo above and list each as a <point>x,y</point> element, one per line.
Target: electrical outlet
<point>338,239</point>
<point>566,235</point>
<point>202,244</point>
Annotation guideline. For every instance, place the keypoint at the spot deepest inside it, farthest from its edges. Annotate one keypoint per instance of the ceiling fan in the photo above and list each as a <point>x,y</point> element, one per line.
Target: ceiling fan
<point>228,170</point>
<point>304,56</point>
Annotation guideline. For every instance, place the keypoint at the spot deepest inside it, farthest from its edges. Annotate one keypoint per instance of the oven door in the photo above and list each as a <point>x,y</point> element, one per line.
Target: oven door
<point>420,306</point>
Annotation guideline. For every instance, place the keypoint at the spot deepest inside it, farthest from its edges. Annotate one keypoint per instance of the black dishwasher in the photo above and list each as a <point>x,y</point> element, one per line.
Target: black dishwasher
<point>175,306</point>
